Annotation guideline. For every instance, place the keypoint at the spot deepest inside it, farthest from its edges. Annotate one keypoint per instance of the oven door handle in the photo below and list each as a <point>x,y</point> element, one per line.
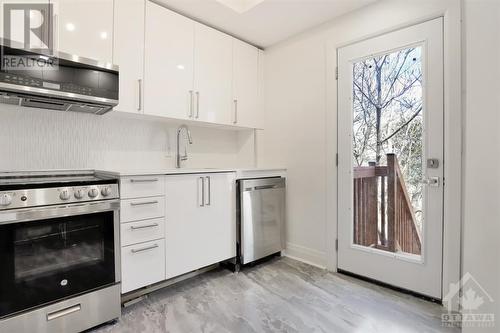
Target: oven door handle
<point>50,212</point>
<point>63,312</point>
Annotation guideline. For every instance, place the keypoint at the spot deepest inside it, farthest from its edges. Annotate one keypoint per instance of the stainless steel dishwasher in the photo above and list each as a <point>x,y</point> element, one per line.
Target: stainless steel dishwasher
<point>261,222</point>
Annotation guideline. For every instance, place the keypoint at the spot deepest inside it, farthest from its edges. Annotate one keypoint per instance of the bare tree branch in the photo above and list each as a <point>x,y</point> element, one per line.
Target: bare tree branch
<point>402,126</point>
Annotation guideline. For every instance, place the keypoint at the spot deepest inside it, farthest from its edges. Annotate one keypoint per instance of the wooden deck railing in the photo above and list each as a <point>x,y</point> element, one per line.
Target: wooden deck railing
<point>380,195</point>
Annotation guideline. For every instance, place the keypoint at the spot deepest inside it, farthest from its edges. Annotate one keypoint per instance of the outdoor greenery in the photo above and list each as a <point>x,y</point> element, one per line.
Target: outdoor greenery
<point>388,114</point>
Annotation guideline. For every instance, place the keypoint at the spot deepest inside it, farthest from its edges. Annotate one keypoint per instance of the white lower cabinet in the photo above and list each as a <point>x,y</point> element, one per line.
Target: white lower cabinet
<point>142,264</point>
<point>142,186</point>
<point>141,208</point>
<point>142,231</point>
<point>200,227</point>
<point>191,226</point>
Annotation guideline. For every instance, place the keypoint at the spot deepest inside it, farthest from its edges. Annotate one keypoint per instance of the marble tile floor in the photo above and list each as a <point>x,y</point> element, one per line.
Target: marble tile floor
<point>281,295</point>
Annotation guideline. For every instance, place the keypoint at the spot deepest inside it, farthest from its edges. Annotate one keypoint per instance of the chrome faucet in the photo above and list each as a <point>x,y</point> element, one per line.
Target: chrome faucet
<point>178,156</point>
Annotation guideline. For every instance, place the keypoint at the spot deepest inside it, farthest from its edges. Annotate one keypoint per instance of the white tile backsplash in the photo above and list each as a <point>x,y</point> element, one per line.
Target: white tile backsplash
<point>42,139</point>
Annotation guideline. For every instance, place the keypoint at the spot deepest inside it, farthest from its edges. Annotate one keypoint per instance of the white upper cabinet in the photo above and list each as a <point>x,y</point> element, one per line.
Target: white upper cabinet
<point>189,72</point>
<point>245,108</point>
<point>169,51</point>
<point>213,75</point>
<point>84,28</point>
<point>128,53</point>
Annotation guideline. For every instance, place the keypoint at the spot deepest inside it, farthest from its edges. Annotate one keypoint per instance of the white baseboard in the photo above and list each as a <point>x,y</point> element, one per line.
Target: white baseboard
<point>306,255</point>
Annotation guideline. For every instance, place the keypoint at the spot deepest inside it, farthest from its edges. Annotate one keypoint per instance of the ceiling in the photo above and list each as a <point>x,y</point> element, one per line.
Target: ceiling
<point>265,22</point>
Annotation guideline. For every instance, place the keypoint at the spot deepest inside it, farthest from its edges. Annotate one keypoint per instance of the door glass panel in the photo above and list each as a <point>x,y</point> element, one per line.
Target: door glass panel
<point>387,141</point>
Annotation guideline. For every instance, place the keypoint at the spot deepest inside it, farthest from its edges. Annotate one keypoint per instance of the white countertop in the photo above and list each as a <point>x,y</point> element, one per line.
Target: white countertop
<point>240,173</point>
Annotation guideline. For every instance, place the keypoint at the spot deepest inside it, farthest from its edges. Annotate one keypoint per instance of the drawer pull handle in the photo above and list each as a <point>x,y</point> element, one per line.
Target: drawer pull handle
<point>152,180</point>
<point>143,203</point>
<point>63,312</point>
<point>144,248</point>
<point>144,226</point>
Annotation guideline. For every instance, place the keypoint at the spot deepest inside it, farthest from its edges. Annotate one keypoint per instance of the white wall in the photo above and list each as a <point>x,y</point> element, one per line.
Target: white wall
<point>300,102</point>
<point>481,251</point>
<point>41,139</point>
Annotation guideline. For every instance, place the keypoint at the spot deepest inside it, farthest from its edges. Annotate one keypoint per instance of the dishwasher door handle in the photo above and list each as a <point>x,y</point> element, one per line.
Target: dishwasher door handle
<point>265,187</point>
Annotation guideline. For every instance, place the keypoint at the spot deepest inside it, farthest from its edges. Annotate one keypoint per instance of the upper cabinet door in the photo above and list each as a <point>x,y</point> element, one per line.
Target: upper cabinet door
<point>128,53</point>
<point>213,75</point>
<point>245,84</point>
<point>84,28</point>
<point>169,49</point>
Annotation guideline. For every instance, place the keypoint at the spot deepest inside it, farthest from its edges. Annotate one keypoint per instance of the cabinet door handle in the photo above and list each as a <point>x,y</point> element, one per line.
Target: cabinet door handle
<point>202,202</point>
<point>190,104</point>
<point>63,312</point>
<point>154,246</point>
<point>209,188</point>
<point>139,84</point>
<point>197,104</point>
<point>144,226</point>
<point>150,180</point>
<point>144,203</point>
<point>235,111</point>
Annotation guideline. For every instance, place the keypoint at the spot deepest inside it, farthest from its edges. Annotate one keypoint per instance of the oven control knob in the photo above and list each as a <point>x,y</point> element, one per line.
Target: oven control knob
<point>5,199</point>
<point>79,193</point>
<point>105,191</point>
<point>93,192</point>
<point>64,195</point>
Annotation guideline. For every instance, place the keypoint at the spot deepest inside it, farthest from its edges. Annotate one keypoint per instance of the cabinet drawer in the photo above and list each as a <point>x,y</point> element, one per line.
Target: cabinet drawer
<point>142,209</point>
<point>142,231</point>
<point>142,264</point>
<point>142,186</point>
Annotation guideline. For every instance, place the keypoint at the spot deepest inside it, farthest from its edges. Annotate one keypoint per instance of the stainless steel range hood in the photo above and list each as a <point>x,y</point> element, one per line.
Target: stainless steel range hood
<point>63,82</point>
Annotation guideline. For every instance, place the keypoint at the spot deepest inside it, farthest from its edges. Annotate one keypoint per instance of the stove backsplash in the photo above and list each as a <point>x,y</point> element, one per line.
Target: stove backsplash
<point>32,139</point>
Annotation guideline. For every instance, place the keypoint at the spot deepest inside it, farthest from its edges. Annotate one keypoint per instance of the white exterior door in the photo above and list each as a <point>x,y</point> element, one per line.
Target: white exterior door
<point>390,144</point>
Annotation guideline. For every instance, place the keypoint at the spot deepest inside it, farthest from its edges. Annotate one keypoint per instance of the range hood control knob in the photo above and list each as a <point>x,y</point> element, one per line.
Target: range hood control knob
<point>93,192</point>
<point>5,199</point>
<point>79,193</point>
<point>64,195</point>
<point>105,191</point>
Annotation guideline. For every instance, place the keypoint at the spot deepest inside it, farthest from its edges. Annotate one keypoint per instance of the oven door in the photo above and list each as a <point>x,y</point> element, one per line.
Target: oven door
<point>53,253</point>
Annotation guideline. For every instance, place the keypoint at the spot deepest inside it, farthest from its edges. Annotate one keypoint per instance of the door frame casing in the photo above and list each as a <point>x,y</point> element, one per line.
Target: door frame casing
<point>452,216</point>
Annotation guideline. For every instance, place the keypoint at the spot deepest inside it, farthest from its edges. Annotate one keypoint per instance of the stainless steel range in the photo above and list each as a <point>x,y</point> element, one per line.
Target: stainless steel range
<point>59,251</point>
